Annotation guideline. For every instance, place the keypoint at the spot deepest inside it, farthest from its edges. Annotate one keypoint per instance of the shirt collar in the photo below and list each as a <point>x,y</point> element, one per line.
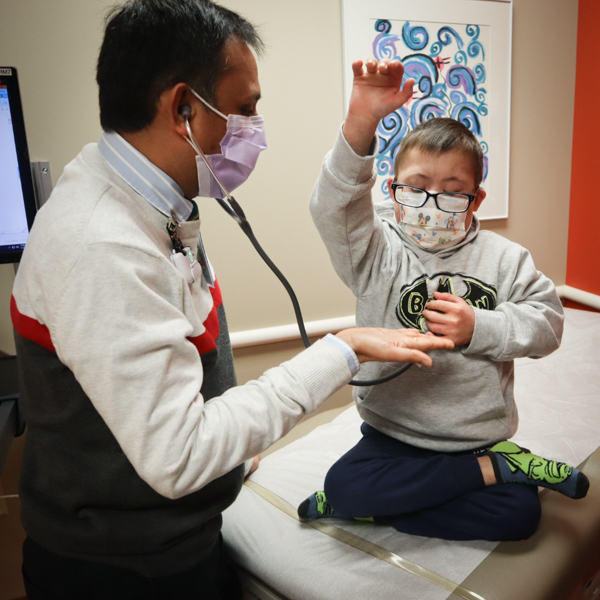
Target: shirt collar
<point>144,177</point>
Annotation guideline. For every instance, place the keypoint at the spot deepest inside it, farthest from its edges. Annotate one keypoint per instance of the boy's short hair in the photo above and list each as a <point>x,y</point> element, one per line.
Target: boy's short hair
<point>151,45</point>
<point>441,135</point>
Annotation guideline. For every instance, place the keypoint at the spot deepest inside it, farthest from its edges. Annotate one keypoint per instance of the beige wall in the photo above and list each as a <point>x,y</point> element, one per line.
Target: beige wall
<point>542,106</point>
<point>54,45</point>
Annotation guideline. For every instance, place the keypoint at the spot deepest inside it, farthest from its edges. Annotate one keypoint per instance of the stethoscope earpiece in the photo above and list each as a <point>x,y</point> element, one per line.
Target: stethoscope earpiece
<point>185,110</point>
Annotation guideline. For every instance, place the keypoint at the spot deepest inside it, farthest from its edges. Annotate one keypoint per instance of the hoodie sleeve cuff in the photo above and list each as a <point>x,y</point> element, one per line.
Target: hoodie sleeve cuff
<point>348,166</point>
<point>488,332</point>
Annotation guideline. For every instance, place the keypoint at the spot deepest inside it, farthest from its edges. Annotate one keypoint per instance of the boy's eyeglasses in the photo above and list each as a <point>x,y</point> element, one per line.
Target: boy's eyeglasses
<point>415,197</point>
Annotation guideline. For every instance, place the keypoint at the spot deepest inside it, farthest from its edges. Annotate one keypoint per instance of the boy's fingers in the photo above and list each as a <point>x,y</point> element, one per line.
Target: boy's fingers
<point>437,331</point>
<point>371,66</point>
<point>446,296</point>
<point>433,316</point>
<point>441,306</point>
<point>407,91</point>
<point>396,67</point>
<point>357,68</point>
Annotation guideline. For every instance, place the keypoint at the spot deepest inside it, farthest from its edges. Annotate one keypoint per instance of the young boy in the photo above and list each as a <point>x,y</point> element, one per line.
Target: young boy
<point>434,460</point>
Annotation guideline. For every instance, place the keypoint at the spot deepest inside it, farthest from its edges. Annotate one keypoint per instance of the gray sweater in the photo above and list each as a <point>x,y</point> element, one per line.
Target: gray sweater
<point>136,432</point>
<point>465,400</point>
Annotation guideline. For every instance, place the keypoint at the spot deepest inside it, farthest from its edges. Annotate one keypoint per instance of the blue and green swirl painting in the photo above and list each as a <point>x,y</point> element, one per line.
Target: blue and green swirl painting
<point>448,64</point>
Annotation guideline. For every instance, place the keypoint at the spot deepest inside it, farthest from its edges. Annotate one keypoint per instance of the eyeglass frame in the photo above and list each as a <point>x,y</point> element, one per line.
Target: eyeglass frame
<point>434,195</point>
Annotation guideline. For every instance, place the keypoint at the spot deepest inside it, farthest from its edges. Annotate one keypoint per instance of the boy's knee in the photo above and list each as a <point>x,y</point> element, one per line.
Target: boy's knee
<point>519,516</point>
<point>522,527</point>
<point>335,488</point>
<point>345,492</point>
<point>530,513</point>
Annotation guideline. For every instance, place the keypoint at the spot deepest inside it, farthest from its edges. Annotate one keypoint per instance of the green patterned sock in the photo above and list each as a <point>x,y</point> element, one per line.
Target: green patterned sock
<point>513,464</point>
<point>317,507</point>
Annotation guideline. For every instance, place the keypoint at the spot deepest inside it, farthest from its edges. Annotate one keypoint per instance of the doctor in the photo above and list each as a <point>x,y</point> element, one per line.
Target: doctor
<point>138,437</point>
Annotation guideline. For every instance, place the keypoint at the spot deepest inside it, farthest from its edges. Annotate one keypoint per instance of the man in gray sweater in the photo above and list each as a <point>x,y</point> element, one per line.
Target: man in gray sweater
<point>434,459</point>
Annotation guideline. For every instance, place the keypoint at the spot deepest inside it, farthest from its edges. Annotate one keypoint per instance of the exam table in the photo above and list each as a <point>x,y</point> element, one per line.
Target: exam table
<point>333,559</point>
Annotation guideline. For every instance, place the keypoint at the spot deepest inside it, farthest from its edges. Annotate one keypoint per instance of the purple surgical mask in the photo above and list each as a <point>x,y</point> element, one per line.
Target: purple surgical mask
<point>244,141</point>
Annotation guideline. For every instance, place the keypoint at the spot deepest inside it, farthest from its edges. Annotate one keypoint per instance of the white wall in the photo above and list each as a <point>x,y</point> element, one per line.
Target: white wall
<point>54,45</point>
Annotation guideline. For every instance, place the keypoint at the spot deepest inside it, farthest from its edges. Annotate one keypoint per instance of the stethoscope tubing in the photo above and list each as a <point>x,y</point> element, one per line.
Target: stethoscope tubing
<point>234,210</point>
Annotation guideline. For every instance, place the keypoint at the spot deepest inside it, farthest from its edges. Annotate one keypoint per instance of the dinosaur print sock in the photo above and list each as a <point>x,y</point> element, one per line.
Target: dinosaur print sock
<point>317,507</point>
<point>513,464</point>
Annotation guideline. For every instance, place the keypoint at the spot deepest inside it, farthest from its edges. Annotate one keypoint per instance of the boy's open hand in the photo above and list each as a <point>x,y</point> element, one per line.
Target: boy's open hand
<point>451,317</point>
<point>393,345</point>
<point>377,91</point>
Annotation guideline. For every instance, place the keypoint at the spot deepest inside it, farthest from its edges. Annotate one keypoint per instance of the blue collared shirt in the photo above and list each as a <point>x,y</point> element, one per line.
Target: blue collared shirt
<point>145,177</point>
<point>346,350</point>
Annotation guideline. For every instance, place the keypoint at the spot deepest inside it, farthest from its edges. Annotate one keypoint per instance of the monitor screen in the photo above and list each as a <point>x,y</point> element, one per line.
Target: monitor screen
<point>17,200</point>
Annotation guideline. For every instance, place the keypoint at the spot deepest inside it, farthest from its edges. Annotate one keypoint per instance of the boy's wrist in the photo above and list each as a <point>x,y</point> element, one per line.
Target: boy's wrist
<point>359,133</point>
<point>349,167</point>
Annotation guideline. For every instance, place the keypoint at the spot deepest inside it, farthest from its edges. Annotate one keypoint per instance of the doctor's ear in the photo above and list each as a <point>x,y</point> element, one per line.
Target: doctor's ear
<point>176,107</point>
<point>185,110</point>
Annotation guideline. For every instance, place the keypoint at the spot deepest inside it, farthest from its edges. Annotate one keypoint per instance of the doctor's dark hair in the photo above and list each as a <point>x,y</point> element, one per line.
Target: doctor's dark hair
<point>151,45</point>
<point>436,136</point>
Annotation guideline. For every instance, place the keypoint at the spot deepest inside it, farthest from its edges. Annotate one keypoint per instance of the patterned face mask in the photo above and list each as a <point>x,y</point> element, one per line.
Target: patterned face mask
<point>431,228</point>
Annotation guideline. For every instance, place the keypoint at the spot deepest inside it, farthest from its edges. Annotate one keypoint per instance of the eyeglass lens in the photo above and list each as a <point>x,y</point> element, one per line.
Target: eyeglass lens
<point>415,197</point>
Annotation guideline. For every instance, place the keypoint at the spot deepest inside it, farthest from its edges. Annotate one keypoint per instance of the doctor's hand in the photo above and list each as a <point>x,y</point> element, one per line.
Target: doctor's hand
<point>451,317</point>
<point>377,91</point>
<point>393,345</point>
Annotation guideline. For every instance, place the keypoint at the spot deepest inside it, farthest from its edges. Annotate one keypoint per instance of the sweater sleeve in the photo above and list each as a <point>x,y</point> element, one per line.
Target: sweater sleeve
<point>528,324</point>
<point>119,327</point>
<point>342,210</point>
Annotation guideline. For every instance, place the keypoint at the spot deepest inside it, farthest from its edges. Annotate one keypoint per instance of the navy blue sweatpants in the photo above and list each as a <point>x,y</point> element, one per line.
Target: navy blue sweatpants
<point>428,493</point>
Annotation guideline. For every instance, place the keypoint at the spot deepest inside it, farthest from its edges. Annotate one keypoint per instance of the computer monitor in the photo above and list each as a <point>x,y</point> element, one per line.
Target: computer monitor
<point>17,199</point>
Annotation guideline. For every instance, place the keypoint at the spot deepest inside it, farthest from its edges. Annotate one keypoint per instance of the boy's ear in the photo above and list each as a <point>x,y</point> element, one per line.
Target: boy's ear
<point>479,198</point>
<point>389,186</point>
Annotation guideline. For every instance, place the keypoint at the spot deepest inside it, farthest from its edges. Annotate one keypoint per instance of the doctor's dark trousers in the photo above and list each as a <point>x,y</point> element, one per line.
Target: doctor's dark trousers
<point>48,576</point>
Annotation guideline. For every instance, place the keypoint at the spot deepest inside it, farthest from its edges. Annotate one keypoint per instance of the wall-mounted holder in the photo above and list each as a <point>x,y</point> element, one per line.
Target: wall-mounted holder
<point>42,181</point>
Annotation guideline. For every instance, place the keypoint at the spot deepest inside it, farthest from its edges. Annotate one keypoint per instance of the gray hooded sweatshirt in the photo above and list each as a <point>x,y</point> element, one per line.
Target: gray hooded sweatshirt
<point>465,400</point>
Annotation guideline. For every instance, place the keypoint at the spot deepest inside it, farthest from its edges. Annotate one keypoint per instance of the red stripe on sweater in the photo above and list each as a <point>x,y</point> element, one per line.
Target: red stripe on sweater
<point>29,328</point>
<point>207,341</point>
<point>35,331</point>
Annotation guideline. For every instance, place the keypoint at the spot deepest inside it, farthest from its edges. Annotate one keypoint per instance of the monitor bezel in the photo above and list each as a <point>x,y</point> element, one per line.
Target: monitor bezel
<point>9,78</point>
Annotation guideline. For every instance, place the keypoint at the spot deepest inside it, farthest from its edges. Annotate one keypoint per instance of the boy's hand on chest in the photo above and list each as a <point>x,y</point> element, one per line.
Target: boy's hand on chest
<point>450,316</point>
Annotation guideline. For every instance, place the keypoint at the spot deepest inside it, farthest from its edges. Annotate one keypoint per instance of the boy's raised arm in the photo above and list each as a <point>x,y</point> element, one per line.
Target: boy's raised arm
<point>377,91</point>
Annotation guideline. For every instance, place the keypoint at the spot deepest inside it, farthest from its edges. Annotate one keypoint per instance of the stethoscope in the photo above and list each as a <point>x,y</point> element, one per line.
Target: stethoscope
<point>235,211</point>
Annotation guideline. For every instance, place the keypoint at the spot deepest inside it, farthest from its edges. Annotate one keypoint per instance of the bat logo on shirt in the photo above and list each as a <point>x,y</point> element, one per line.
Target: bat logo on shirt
<point>415,295</point>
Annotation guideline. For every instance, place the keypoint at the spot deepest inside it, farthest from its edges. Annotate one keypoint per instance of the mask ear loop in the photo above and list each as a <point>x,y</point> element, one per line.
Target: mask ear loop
<point>192,142</point>
<point>231,207</point>
<point>218,112</point>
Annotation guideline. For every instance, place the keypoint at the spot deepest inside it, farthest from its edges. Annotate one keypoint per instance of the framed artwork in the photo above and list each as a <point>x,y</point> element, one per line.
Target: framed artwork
<point>459,53</point>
